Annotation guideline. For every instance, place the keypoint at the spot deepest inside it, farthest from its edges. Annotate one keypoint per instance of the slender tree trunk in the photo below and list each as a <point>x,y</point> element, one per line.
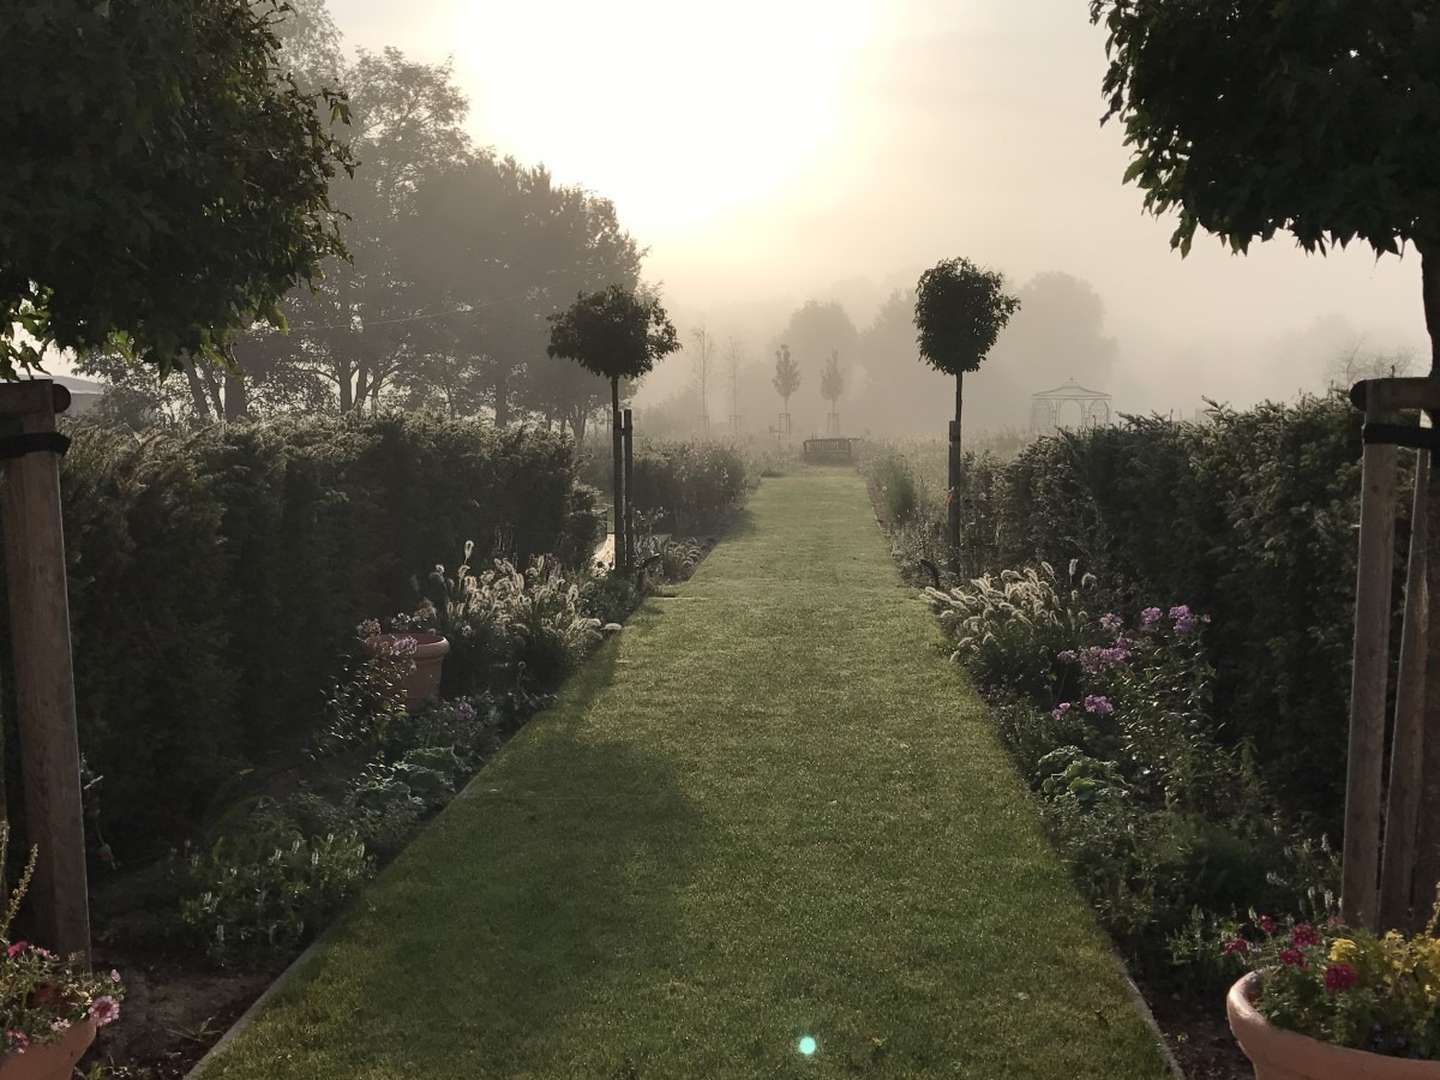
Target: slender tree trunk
<point>952,516</point>
<point>212,391</point>
<point>617,448</point>
<point>502,397</point>
<point>1427,865</point>
<point>362,385</point>
<point>237,395</point>
<point>342,381</point>
<point>579,423</point>
<point>197,390</point>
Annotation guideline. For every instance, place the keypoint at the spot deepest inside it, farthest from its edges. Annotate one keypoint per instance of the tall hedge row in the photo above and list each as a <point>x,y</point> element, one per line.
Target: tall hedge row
<point>1250,517</point>
<point>217,577</point>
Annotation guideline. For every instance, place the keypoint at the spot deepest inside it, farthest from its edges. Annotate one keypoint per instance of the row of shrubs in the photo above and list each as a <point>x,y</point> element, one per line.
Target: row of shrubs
<point>217,577</point>
<point>1248,515</point>
<point>1167,825</point>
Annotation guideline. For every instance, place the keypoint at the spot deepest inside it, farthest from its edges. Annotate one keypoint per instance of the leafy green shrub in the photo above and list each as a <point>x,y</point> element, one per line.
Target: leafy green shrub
<point>264,895</point>
<point>609,597</point>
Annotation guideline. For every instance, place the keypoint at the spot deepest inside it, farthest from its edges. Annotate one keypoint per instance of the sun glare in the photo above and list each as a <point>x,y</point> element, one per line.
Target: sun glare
<point>682,113</point>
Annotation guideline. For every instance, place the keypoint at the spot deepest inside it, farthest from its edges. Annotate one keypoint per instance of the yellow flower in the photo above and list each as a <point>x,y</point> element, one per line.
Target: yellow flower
<point>1344,951</point>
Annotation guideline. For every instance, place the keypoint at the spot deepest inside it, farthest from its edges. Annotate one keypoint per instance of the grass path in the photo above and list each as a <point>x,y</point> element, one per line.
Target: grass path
<point>770,809</point>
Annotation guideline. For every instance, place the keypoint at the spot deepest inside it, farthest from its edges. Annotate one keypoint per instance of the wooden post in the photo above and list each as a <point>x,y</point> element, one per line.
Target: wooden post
<point>44,678</point>
<point>1402,813</point>
<point>1359,900</point>
<point>617,439</point>
<point>631,553</point>
<point>952,518</point>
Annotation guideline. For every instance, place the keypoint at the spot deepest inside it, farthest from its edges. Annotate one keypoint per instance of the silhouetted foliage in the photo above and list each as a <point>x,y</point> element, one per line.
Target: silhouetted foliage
<point>1254,118</point>
<point>164,183</point>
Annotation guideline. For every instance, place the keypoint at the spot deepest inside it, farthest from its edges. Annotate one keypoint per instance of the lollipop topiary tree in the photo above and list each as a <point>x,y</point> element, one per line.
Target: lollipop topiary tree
<point>616,333</point>
<point>960,310</point>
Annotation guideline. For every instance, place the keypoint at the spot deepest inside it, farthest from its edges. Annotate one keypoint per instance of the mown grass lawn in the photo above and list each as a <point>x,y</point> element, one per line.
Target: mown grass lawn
<point>770,810</point>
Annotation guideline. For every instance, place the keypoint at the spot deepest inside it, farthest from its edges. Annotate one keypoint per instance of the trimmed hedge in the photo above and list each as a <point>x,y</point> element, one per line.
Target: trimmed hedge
<point>690,486</point>
<point>217,578</point>
<point>1248,517</point>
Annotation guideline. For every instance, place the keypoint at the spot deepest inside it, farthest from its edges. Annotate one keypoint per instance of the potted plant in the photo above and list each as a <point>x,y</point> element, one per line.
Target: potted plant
<point>410,639</point>
<point>1331,1003</point>
<point>50,1009</point>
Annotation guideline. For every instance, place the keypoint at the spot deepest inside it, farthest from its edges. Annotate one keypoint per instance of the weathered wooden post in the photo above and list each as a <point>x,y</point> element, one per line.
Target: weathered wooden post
<point>44,677</point>
<point>1407,744</point>
<point>1359,898</point>
<point>631,552</point>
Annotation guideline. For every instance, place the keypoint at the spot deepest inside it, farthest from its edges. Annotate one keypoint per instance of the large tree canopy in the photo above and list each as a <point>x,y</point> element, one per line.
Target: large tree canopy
<point>164,182</point>
<point>1254,117</point>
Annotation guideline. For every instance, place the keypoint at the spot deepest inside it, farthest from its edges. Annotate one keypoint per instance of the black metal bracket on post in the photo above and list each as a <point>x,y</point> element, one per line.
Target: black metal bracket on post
<point>1416,438</point>
<point>37,442</point>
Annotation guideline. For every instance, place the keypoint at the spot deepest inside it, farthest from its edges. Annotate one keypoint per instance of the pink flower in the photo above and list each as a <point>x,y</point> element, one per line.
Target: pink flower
<point>1111,622</point>
<point>1060,710</point>
<point>43,953</point>
<point>16,949</point>
<point>1292,958</point>
<point>114,976</point>
<point>1236,946</point>
<point>18,1040</point>
<point>104,1010</point>
<point>1304,935</point>
<point>1266,924</point>
<point>1339,977</point>
<point>1098,704</point>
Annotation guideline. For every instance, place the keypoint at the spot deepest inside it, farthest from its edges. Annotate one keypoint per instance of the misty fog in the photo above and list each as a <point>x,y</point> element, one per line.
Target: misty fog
<point>769,157</point>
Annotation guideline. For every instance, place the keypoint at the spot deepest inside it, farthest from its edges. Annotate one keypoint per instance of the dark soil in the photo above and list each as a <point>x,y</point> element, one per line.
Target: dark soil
<point>1199,1036</point>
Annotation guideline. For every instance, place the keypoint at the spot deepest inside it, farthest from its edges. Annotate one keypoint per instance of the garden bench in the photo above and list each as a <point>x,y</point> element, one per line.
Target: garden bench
<point>832,449</point>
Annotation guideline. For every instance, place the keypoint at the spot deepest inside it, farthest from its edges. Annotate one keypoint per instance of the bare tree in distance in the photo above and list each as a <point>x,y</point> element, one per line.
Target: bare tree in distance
<point>786,381</point>
<point>832,387</point>
<point>701,359</point>
<point>735,354</point>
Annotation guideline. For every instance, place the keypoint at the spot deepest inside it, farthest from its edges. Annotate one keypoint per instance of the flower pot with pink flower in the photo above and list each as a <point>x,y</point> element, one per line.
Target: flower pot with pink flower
<point>1331,1003</point>
<point>50,1008</point>
<point>423,652</point>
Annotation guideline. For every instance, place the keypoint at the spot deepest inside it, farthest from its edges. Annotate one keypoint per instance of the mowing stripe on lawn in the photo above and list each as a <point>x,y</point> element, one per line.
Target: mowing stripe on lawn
<point>766,832</point>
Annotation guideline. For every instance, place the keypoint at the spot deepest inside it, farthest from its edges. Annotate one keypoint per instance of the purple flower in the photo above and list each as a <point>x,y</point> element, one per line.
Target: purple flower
<point>1098,704</point>
<point>1096,659</point>
<point>1112,622</point>
<point>1149,617</point>
<point>1183,618</point>
<point>1060,710</point>
<point>465,712</point>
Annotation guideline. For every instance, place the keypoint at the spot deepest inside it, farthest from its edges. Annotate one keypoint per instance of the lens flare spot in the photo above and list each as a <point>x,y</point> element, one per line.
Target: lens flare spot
<point>807,1045</point>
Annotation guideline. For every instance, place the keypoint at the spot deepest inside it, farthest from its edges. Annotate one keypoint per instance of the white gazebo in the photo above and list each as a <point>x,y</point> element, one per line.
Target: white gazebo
<point>1068,406</point>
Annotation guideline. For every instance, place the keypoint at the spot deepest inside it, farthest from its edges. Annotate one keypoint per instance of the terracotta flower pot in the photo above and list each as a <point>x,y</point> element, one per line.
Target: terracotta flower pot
<point>1278,1054</point>
<point>50,1061</point>
<point>423,682</point>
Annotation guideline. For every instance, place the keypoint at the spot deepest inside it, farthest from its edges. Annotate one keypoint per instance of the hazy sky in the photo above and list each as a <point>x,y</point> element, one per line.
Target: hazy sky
<point>768,152</point>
